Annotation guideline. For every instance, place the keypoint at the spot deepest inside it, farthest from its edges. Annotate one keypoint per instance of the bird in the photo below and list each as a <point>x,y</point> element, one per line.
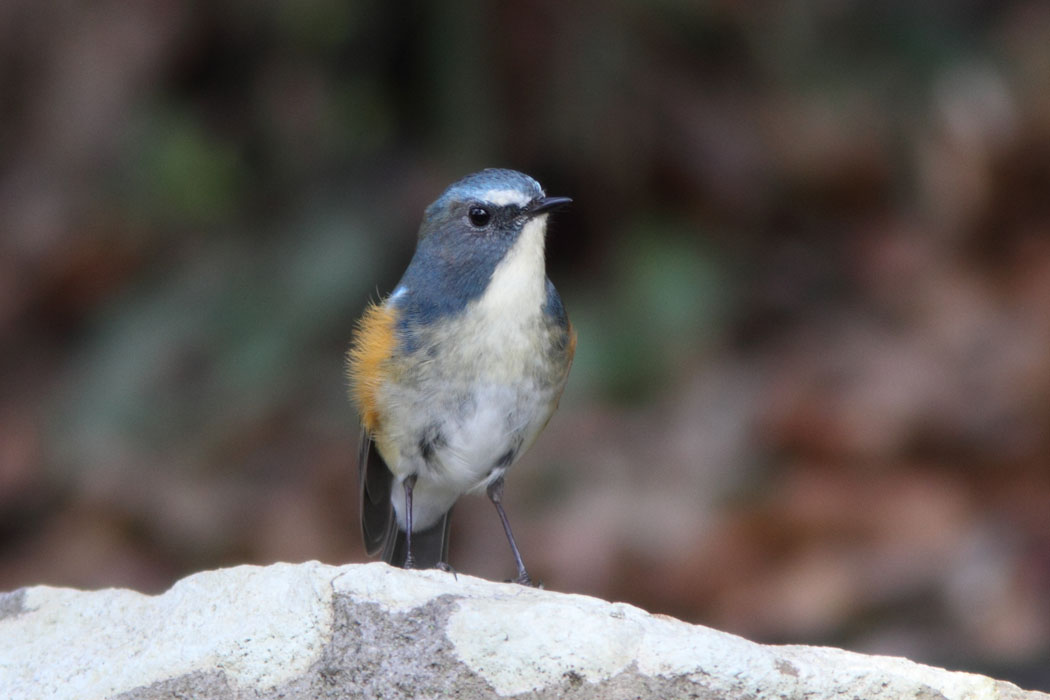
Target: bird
<point>455,373</point>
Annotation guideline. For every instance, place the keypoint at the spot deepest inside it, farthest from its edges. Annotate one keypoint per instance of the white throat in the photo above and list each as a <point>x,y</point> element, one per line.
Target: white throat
<point>518,287</point>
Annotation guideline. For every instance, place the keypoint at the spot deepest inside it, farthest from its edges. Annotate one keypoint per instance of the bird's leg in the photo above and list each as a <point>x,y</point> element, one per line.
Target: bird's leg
<point>409,483</point>
<point>495,492</point>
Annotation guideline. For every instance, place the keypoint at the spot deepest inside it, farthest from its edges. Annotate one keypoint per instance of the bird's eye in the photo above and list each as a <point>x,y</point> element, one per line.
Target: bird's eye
<point>479,216</point>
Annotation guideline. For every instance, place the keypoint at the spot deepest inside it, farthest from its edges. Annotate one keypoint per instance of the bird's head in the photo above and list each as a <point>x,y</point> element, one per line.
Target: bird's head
<point>485,232</point>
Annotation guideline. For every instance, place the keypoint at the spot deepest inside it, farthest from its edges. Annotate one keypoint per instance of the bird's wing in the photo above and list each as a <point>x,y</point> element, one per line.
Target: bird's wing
<point>374,505</point>
<point>373,347</point>
<point>368,360</point>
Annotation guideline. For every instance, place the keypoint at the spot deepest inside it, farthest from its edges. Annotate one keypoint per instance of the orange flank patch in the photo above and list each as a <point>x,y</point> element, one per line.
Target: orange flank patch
<point>570,350</point>
<point>366,361</point>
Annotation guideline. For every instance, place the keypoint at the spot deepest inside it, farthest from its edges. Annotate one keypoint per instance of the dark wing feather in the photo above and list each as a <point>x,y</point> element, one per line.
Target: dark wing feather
<point>378,524</point>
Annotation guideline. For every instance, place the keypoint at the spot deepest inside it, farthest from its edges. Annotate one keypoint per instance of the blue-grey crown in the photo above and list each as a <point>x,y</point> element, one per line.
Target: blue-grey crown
<point>477,184</point>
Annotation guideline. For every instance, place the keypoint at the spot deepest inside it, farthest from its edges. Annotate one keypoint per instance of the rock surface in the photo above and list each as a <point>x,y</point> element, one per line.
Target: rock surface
<point>368,630</point>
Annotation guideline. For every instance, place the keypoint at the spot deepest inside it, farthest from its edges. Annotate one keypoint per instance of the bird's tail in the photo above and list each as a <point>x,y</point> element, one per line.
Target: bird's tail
<point>429,547</point>
<point>378,524</point>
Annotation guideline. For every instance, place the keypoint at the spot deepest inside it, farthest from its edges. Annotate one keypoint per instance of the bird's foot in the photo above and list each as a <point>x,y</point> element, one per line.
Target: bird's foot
<point>524,579</point>
<point>444,566</point>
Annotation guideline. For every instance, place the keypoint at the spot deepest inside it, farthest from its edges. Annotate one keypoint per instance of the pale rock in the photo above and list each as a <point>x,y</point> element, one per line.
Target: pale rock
<point>368,630</point>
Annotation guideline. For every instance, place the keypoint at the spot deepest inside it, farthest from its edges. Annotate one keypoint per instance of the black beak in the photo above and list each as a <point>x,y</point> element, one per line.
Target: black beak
<point>546,204</point>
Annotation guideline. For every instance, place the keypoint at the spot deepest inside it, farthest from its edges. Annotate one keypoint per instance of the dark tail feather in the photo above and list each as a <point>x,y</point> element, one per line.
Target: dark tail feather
<point>378,523</point>
<point>429,547</point>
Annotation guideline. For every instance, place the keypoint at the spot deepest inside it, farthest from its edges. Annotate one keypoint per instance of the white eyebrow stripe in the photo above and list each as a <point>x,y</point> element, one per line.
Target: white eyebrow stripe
<point>502,198</point>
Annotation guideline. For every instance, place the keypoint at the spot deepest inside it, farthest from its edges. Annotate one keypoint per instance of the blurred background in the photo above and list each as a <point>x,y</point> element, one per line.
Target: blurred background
<point>808,261</point>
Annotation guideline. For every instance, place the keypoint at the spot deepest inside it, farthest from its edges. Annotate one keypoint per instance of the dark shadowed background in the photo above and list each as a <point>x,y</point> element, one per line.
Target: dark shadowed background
<point>809,264</point>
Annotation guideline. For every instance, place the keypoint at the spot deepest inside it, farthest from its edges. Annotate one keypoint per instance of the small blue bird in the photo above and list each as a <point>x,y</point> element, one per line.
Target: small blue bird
<point>460,368</point>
